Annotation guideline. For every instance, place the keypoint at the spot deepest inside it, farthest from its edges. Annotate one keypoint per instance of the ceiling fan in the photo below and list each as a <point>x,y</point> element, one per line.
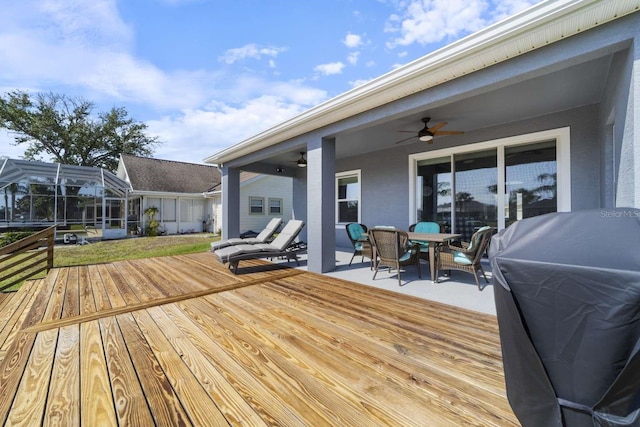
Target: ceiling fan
<point>427,133</point>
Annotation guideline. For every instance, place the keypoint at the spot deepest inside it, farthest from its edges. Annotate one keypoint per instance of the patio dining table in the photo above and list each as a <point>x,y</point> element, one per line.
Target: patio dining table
<point>434,239</point>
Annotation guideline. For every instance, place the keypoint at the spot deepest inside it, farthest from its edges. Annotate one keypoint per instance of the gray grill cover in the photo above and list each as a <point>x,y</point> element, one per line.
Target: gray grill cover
<point>568,304</point>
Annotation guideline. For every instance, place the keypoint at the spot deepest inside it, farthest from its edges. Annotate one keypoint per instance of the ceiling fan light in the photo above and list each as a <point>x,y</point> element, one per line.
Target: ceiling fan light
<point>302,163</point>
<point>426,138</point>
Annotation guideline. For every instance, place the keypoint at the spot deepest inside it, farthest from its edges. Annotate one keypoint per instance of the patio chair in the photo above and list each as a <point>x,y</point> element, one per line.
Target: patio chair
<point>360,240</point>
<point>424,227</point>
<point>263,237</point>
<point>392,250</point>
<point>282,246</point>
<point>466,257</point>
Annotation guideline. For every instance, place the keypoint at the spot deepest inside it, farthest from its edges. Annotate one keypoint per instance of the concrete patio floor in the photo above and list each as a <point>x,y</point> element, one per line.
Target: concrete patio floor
<point>459,289</point>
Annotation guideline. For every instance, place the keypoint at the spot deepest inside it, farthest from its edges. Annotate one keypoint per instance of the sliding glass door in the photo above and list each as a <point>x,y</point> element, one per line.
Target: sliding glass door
<point>433,191</point>
<point>476,180</point>
<point>531,181</point>
<point>495,186</point>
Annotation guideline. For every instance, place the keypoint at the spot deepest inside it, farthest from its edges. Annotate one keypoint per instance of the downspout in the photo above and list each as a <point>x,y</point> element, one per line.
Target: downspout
<point>55,199</point>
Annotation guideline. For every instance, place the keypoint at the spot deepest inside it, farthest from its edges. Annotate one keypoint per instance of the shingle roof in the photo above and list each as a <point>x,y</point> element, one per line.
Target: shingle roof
<point>244,177</point>
<point>148,174</point>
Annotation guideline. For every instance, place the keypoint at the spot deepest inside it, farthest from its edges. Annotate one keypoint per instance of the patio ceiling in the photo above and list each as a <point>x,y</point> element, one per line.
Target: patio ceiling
<point>569,87</point>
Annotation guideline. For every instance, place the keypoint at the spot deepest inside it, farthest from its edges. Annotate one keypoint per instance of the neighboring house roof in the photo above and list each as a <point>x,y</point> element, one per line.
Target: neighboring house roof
<point>538,26</point>
<point>168,176</point>
<point>245,177</point>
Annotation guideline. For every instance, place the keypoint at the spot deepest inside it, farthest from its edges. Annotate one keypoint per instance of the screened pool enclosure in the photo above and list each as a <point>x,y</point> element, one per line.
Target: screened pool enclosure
<point>79,199</point>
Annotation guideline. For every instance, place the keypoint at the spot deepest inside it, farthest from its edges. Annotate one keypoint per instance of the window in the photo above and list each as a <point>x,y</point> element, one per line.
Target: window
<point>256,206</point>
<point>348,197</point>
<point>191,210</point>
<point>168,210</point>
<point>275,206</point>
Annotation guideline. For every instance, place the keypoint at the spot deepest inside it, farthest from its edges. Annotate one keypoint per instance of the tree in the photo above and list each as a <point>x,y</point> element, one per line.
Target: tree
<point>65,129</point>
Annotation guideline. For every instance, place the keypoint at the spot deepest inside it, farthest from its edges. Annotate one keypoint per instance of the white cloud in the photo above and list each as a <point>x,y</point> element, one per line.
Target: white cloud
<point>251,51</point>
<point>8,147</point>
<point>352,41</point>
<point>357,83</point>
<point>352,58</point>
<point>505,8</point>
<point>330,68</point>
<point>431,21</point>
<point>198,133</point>
<point>87,23</point>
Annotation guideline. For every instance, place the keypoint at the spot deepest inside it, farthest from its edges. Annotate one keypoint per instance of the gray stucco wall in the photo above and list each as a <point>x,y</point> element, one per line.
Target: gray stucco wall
<point>385,174</point>
<point>617,158</point>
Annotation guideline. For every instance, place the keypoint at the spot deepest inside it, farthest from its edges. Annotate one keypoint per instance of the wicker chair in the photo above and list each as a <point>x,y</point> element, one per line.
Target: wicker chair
<point>424,227</point>
<point>392,250</point>
<point>360,240</point>
<point>466,257</point>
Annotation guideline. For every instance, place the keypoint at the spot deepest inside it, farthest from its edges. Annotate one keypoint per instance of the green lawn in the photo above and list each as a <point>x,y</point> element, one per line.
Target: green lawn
<point>135,248</point>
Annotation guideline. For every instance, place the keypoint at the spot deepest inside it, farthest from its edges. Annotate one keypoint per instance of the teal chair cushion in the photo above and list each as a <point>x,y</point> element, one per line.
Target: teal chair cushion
<point>476,237</point>
<point>424,246</point>
<point>425,227</point>
<point>356,231</point>
<point>405,257</point>
<point>460,258</point>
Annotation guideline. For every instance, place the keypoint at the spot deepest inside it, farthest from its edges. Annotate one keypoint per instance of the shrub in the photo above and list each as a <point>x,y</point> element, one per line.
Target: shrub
<point>13,236</point>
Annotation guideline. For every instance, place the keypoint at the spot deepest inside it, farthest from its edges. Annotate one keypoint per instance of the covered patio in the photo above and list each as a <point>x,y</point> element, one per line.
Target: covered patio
<point>541,111</point>
<point>183,341</point>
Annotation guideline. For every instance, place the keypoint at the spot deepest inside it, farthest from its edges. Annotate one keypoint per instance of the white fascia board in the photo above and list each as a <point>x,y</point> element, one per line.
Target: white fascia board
<point>164,194</point>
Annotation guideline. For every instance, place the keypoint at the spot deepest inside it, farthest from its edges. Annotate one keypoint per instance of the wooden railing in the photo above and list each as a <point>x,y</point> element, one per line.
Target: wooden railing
<point>27,257</point>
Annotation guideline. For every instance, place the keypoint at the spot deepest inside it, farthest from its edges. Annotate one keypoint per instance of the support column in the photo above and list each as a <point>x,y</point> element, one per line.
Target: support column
<point>321,223</point>
<point>230,202</point>
<point>300,200</point>
<point>634,102</point>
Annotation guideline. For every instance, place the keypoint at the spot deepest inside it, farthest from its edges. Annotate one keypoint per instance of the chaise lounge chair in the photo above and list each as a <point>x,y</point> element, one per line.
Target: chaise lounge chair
<point>282,246</point>
<point>265,235</point>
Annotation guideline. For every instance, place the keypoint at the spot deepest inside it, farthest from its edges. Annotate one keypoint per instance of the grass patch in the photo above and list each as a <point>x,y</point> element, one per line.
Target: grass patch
<point>135,248</point>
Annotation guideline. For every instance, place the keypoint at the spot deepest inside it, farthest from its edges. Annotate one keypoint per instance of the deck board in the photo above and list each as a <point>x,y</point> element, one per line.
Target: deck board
<point>183,341</point>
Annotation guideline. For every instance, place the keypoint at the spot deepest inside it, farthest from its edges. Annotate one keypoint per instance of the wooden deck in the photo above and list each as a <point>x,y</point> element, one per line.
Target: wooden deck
<point>182,341</point>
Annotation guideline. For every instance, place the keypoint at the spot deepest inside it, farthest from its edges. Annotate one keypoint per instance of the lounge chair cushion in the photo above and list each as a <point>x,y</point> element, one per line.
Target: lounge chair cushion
<point>284,239</point>
<point>263,237</point>
<point>231,251</point>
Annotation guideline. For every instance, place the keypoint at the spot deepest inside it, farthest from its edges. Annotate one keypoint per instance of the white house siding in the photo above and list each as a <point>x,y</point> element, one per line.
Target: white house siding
<point>175,222</point>
<point>264,186</point>
<point>217,209</point>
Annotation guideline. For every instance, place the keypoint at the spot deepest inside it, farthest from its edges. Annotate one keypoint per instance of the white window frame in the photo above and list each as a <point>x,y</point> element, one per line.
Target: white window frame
<point>562,136</point>
<point>357,173</point>
<point>166,209</point>
<point>281,206</point>
<point>251,198</point>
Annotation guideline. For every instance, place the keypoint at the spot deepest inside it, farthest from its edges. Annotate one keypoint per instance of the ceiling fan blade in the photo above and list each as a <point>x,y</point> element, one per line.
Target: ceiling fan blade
<point>449,132</point>
<point>406,139</point>
<point>407,131</point>
<point>436,127</point>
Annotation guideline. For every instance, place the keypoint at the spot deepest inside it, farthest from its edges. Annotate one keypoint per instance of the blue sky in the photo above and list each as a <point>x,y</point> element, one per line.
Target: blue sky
<point>205,74</point>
